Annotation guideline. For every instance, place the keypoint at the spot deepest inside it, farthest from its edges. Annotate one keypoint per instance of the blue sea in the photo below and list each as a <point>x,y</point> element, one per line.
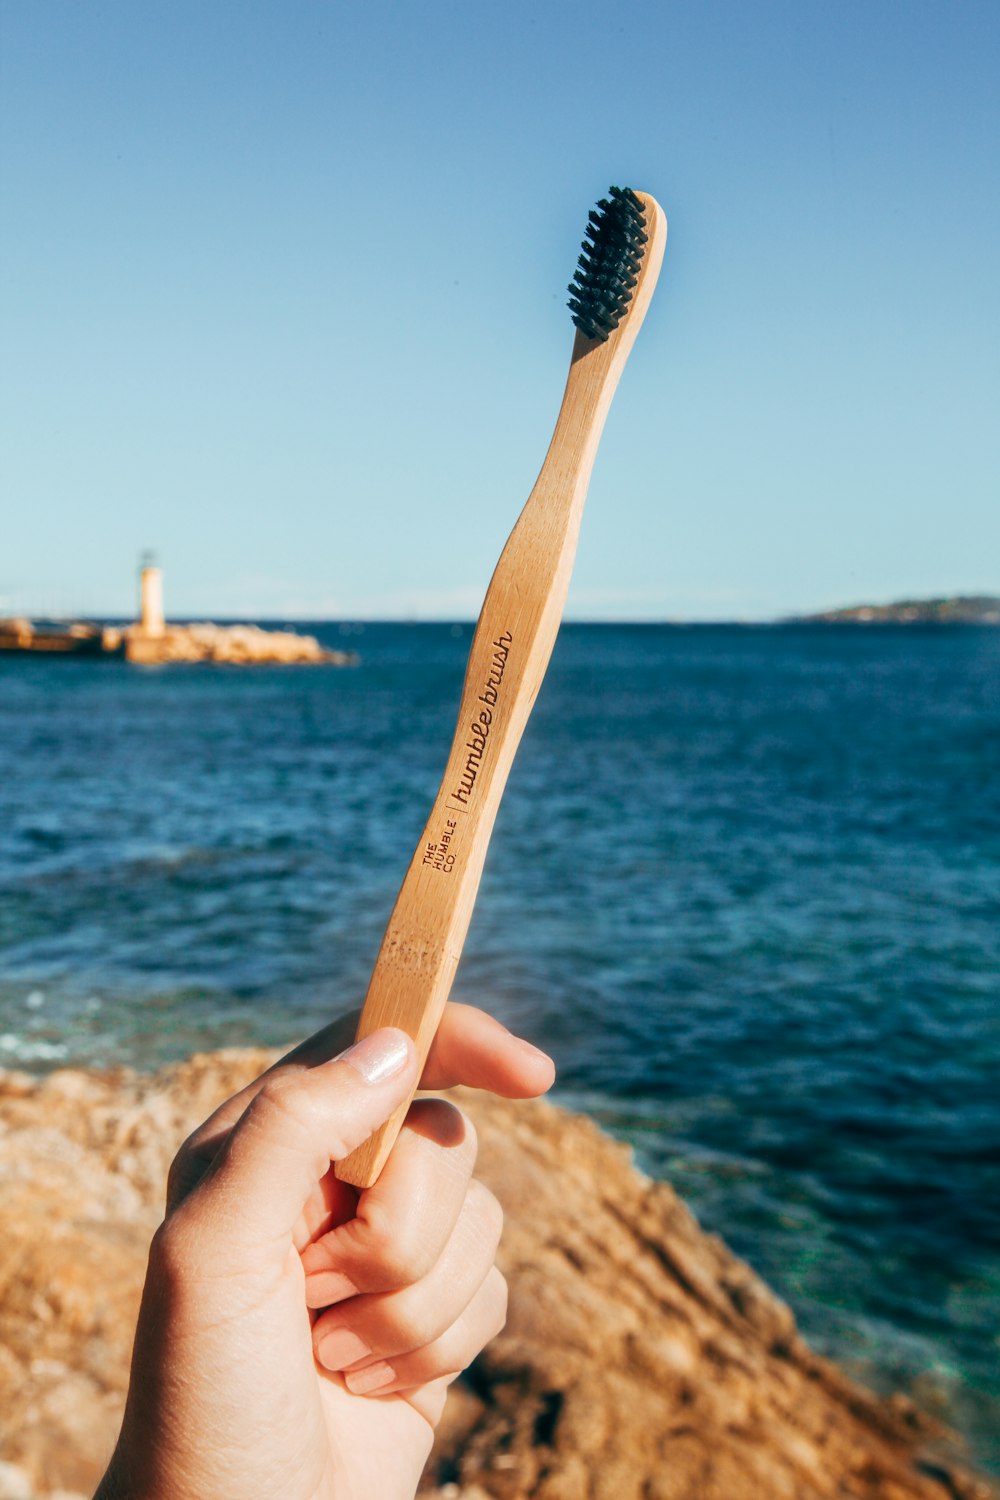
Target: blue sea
<point>745,886</point>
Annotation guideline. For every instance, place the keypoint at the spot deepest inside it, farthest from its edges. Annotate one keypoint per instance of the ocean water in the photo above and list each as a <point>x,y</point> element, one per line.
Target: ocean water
<point>745,886</point>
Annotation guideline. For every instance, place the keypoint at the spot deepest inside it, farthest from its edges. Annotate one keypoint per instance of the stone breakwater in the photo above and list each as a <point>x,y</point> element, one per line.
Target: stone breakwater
<point>238,645</point>
<point>641,1360</point>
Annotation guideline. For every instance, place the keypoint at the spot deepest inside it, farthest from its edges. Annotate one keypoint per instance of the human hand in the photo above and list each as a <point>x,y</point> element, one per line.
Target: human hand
<point>269,1278</point>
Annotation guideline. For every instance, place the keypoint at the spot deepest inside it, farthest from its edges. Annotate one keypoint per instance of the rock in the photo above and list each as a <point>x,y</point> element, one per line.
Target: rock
<point>233,644</point>
<point>14,1483</point>
<point>641,1358</point>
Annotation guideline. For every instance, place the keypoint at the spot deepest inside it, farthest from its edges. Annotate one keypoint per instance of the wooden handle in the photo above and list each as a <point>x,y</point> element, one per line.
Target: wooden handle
<point>510,651</point>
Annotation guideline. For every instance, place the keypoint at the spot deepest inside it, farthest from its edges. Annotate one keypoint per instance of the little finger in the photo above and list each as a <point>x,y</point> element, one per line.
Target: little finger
<point>443,1358</point>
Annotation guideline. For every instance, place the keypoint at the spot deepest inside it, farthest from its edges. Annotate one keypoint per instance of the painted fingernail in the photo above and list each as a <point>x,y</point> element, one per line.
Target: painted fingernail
<point>341,1348</point>
<point>380,1055</point>
<point>372,1378</point>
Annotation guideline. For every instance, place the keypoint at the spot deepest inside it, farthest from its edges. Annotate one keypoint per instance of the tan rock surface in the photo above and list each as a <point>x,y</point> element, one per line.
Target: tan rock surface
<point>237,645</point>
<point>642,1361</point>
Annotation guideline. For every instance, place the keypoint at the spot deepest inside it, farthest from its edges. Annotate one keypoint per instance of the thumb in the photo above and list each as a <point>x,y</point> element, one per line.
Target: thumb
<point>298,1124</point>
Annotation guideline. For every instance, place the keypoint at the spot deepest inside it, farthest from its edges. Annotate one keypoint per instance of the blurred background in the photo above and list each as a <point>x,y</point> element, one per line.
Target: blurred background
<point>284,298</point>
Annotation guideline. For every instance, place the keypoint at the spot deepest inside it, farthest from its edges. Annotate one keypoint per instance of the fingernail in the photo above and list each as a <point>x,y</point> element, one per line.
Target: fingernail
<point>380,1055</point>
<point>372,1378</point>
<point>530,1050</point>
<point>323,1288</point>
<point>341,1348</point>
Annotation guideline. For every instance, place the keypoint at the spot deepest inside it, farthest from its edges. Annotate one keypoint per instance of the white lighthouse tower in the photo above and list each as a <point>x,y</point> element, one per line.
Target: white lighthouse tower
<point>151,621</point>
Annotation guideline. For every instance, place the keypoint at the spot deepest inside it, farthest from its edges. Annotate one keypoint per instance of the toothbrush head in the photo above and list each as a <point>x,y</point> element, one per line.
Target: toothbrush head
<point>608,269</point>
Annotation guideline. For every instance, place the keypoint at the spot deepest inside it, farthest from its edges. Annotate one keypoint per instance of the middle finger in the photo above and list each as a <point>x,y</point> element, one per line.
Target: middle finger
<point>402,1223</point>
<point>386,1325</point>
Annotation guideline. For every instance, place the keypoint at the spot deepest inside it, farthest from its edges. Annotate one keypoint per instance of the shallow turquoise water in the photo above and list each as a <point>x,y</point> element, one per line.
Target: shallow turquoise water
<point>745,885</point>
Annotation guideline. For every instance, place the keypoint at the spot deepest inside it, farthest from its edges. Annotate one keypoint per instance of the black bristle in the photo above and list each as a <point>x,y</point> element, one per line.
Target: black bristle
<point>607,271</point>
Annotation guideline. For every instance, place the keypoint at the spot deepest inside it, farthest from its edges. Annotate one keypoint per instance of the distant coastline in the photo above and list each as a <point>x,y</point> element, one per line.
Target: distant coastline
<point>959,609</point>
<point>189,638</point>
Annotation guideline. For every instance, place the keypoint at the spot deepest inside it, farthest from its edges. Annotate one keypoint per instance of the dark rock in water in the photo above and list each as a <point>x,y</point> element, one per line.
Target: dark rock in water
<point>641,1359</point>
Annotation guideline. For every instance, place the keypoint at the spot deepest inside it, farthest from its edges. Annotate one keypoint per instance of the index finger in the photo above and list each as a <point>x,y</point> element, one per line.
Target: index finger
<point>470,1048</point>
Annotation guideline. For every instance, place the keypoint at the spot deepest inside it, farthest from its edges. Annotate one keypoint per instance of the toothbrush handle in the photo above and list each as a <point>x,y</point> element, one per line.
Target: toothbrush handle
<point>510,651</point>
<point>426,931</point>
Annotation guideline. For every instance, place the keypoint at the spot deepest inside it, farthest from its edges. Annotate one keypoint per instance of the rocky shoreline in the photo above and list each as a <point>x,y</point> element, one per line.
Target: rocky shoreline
<point>642,1360</point>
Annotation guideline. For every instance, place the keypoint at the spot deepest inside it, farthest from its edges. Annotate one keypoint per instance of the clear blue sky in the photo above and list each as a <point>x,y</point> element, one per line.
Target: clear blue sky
<point>283,297</point>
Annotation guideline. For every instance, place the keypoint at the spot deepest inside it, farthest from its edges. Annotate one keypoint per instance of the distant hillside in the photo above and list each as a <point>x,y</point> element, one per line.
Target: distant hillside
<point>962,609</point>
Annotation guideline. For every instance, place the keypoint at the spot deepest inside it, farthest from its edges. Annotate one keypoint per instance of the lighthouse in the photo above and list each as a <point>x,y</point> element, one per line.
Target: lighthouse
<point>151,621</point>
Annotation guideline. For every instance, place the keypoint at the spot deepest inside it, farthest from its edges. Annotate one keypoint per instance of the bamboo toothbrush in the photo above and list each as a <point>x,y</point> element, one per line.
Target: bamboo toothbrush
<point>511,647</point>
